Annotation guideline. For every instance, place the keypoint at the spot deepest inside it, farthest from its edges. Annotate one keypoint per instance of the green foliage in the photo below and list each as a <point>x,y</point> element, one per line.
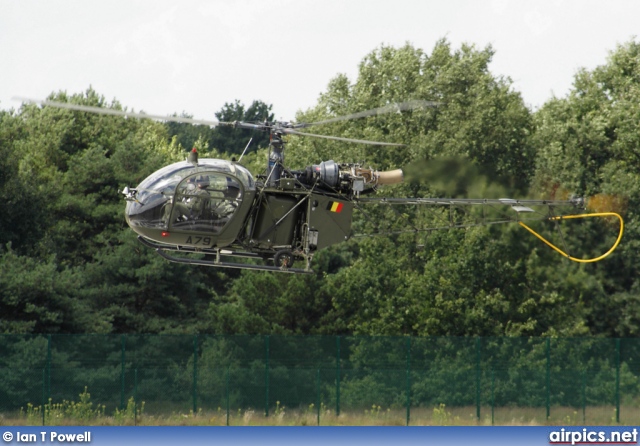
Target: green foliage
<point>128,415</point>
<point>441,416</point>
<point>234,141</point>
<point>81,411</point>
<point>39,296</point>
<point>225,139</point>
<point>478,116</point>
<point>588,145</point>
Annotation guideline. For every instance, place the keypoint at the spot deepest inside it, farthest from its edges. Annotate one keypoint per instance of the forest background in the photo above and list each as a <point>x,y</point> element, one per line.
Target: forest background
<point>69,264</point>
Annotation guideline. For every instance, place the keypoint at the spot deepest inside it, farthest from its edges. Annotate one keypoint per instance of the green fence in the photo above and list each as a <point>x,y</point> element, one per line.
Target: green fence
<point>327,376</point>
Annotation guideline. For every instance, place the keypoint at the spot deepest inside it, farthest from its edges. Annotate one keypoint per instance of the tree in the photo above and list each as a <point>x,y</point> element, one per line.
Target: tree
<point>588,145</point>
<point>479,116</point>
<point>23,215</point>
<point>264,302</point>
<point>187,134</point>
<point>136,291</point>
<point>64,170</point>
<point>225,139</point>
<point>37,296</point>
<point>233,140</point>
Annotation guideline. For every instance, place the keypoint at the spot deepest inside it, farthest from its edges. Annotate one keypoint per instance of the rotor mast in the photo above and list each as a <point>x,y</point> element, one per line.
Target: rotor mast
<point>276,158</point>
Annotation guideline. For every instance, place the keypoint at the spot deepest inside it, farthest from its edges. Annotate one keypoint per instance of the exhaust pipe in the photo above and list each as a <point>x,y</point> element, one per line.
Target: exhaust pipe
<point>389,177</point>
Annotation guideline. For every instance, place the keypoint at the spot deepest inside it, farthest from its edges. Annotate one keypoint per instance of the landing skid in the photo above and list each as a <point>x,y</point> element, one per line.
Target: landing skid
<point>218,262</point>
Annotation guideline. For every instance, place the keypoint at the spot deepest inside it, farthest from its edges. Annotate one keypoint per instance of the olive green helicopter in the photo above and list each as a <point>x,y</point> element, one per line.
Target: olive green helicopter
<point>214,212</point>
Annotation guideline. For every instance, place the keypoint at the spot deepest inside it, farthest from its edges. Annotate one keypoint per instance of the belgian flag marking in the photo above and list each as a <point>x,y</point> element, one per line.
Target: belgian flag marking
<point>334,206</point>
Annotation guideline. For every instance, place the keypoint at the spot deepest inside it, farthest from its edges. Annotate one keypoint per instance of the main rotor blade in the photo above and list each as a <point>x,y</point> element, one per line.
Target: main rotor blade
<point>391,108</point>
<point>126,114</point>
<point>337,138</point>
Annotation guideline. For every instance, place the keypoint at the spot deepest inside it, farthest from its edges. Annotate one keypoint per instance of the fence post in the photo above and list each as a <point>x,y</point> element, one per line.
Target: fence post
<point>228,367</point>
<point>617,380</point>
<point>44,397</point>
<point>408,379</point>
<point>548,378</point>
<point>584,396</point>
<point>48,367</point>
<point>493,385</point>
<point>266,375</point>
<point>478,353</point>
<point>337,376</point>
<point>135,397</point>
<point>195,374</point>
<point>318,395</point>
<point>122,358</point>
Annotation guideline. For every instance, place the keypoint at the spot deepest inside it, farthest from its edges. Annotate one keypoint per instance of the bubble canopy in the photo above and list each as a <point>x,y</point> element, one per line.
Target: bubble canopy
<point>188,197</point>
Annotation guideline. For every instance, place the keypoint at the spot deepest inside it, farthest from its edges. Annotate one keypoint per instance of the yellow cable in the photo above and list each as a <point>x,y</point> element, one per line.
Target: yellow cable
<point>600,214</point>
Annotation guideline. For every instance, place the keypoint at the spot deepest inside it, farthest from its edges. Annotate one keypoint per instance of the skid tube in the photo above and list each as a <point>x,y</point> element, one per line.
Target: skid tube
<point>162,251</point>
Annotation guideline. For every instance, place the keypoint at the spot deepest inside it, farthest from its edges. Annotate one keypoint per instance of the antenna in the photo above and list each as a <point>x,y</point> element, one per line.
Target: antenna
<point>245,149</point>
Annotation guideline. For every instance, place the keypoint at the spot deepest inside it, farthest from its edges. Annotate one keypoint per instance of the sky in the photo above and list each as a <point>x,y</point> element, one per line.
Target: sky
<point>193,56</point>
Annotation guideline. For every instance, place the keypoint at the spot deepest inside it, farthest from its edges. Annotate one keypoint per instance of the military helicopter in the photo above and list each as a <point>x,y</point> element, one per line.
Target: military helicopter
<point>214,212</point>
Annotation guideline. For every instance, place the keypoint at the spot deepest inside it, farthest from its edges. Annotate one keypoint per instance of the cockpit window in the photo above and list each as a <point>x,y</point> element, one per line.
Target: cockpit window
<point>204,202</point>
<point>205,195</point>
<point>163,182</point>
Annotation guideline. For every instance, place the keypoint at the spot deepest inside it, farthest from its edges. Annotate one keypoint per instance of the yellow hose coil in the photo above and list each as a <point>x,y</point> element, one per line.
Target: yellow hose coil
<point>600,214</point>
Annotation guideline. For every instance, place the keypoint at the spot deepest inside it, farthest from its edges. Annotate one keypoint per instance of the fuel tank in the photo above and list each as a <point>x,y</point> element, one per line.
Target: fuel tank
<point>276,221</point>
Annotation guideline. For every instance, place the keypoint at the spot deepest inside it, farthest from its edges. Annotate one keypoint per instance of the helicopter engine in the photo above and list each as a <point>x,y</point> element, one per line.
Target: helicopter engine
<point>347,178</point>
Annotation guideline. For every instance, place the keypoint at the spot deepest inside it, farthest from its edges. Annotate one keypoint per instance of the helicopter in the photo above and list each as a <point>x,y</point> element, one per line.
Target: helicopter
<point>215,212</point>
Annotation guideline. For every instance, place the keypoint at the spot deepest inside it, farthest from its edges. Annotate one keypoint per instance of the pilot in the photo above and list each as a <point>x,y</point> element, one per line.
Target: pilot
<point>193,201</point>
<point>221,206</point>
<point>198,202</point>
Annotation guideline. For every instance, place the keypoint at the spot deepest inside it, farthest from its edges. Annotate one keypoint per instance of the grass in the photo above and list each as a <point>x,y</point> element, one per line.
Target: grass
<point>64,415</point>
<point>84,412</point>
